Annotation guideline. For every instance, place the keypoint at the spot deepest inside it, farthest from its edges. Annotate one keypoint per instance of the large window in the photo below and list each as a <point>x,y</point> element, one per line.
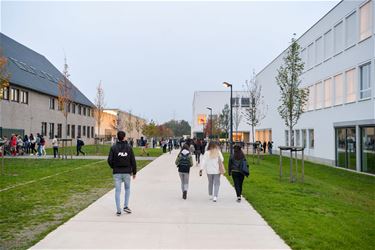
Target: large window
<point>92,132</point>
<point>6,93</point>
<point>311,102</point>
<point>365,84</point>
<point>368,149</point>
<point>339,37</point>
<point>73,127</point>
<point>298,138</point>
<point>73,108</point>
<point>51,130</point>
<point>236,102</point>
<point>310,56</point>
<point>346,148</point>
<point>319,95</point>
<point>88,132</point>
<point>14,95</point>
<point>52,103</point>
<point>304,138</point>
<point>44,129</point>
<point>319,50</point>
<point>79,109</point>
<point>24,96</point>
<point>84,130</point>
<point>68,130</point>
<point>350,30</point>
<point>328,44</point>
<point>59,130</point>
<point>79,131</point>
<point>328,93</point>
<point>339,89</point>
<point>311,139</point>
<point>350,86</point>
<point>245,102</point>
<point>365,20</point>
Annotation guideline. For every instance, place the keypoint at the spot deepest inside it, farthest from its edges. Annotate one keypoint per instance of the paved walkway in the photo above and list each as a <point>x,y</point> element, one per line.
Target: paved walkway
<point>81,157</point>
<point>162,220</point>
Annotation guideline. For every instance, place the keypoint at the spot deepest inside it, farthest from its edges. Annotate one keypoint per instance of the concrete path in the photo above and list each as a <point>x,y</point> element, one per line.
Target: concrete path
<point>161,219</point>
<point>81,157</point>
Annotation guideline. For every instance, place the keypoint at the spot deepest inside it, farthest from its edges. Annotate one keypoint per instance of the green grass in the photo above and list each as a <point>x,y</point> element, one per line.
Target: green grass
<point>103,150</point>
<point>29,212</point>
<point>333,209</point>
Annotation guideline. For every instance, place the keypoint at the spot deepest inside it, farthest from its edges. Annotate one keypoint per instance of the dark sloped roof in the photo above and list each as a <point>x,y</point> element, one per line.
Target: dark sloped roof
<point>32,70</point>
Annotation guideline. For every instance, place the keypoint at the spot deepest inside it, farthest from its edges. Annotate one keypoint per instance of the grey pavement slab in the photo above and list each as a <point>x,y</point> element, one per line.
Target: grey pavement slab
<point>161,219</point>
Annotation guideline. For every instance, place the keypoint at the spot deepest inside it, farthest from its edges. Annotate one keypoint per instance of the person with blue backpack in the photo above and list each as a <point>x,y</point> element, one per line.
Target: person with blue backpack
<point>184,162</point>
<point>238,169</point>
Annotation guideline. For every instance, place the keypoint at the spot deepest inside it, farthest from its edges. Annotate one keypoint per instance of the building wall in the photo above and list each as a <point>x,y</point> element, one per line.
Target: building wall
<point>30,116</point>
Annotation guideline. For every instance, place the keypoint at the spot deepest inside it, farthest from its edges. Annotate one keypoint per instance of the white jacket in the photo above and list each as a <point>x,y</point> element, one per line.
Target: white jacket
<point>211,165</point>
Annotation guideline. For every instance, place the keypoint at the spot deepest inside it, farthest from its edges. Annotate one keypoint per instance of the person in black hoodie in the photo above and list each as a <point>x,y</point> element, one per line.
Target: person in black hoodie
<point>122,161</point>
<point>184,162</point>
<point>234,169</point>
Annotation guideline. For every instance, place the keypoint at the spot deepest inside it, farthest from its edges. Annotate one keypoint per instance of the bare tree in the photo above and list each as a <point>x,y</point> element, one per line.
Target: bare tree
<point>237,116</point>
<point>4,76</point>
<point>224,120</point>
<point>257,109</point>
<point>129,123</point>
<point>99,105</point>
<point>117,122</point>
<point>64,96</point>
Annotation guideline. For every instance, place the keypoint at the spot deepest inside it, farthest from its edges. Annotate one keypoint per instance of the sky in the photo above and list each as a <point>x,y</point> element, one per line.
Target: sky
<point>152,56</point>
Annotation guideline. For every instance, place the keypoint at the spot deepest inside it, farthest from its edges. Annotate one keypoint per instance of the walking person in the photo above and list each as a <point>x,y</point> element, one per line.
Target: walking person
<point>43,146</point>
<point>184,162</point>
<point>264,147</point>
<point>170,145</point>
<point>143,144</point>
<point>38,144</point>
<point>211,162</point>
<point>122,161</point>
<point>80,145</point>
<point>198,151</point>
<point>55,145</point>
<point>26,144</point>
<point>270,145</point>
<point>236,171</point>
<point>32,144</point>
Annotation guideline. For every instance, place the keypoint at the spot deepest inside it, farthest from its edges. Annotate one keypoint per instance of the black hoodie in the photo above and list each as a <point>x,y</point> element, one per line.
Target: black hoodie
<point>121,159</point>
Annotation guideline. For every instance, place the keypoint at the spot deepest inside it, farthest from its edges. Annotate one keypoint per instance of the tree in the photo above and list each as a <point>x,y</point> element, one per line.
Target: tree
<point>138,125</point>
<point>293,98</point>
<point>4,76</point>
<point>129,123</point>
<point>216,130</point>
<point>224,119</point>
<point>99,105</point>
<point>150,129</point>
<point>237,116</point>
<point>117,123</point>
<point>64,96</point>
<point>256,111</point>
<point>179,128</point>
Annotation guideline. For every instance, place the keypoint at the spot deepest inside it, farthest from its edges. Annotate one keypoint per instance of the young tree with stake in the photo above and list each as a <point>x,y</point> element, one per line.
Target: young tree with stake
<point>99,105</point>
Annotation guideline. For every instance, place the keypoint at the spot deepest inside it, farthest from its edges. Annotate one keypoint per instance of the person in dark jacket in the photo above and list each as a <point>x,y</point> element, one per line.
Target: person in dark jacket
<point>234,169</point>
<point>198,151</point>
<point>122,161</point>
<point>80,144</point>
<point>264,147</point>
<point>184,162</point>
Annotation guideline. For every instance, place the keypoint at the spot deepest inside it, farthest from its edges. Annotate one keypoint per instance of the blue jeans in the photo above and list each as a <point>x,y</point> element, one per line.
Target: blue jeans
<point>39,150</point>
<point>118,179</point>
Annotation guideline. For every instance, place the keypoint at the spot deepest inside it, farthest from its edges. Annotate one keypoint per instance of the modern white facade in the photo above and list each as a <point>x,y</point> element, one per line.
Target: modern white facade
<point>338,127</point>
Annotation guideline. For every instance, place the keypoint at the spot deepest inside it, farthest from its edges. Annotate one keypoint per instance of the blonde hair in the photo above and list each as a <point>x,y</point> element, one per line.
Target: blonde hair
<point>213,150</point>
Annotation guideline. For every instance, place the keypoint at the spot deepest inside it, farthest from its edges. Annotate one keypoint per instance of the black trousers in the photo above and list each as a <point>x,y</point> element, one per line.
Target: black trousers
<point>238,181</point>
<point>79,150</point>
<point>198,156</point>
<point>55,152</point>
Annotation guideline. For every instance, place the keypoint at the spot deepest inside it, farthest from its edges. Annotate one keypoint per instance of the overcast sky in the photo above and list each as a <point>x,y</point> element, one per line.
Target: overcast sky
<point>152,56</point>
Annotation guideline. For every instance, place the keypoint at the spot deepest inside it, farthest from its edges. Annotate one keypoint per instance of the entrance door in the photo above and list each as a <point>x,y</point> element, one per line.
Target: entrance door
<point>346,148</point>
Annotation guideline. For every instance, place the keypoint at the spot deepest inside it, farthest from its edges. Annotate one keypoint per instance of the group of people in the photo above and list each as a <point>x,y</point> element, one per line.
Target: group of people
<point>212,163</point>
<point>17,145</point>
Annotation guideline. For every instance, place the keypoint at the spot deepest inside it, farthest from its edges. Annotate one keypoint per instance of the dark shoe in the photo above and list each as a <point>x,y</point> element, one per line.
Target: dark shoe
<point>127,210</point>
<point>184,195</point>
<point>118,213</point>
<point>238,199</point>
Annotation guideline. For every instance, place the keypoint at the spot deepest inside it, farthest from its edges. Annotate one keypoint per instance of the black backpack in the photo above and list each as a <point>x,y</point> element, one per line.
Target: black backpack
<point>184,164</point>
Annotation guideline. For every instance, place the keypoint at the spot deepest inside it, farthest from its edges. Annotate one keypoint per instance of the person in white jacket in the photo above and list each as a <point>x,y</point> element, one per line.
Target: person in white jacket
<point>210,164</point>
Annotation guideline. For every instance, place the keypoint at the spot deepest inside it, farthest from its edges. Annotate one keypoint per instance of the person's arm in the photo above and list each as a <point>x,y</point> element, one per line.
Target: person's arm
<point>133,162</point>
<point>230,166</point>
<point>177,162</point>
<point>191,161</point>
<point>110,158</point>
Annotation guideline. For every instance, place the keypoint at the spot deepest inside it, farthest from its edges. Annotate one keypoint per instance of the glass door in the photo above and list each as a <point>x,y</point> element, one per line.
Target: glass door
<point>346,148</point>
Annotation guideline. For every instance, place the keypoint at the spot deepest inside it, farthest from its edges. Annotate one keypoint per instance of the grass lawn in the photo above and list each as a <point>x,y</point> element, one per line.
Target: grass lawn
<point>333,209</point>
<point>29,212</point>
<point>103,150</point>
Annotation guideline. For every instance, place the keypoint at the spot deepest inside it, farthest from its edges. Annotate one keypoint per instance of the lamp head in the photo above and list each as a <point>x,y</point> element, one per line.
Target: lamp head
<point>227,84</point>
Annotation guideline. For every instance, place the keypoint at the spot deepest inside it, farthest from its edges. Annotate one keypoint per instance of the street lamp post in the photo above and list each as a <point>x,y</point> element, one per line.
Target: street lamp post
<point>210,109</point>
<point>228,85</point>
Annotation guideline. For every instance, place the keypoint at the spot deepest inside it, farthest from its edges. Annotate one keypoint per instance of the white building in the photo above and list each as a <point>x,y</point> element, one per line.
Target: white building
<point>339,127</point>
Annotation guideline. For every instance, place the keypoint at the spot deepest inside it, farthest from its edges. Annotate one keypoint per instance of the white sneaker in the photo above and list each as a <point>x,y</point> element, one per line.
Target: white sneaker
<point>215,199</point>
<point>210,197</point>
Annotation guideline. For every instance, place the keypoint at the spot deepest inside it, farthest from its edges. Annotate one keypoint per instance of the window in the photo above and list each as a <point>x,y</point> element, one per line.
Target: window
<point>311,101</point>
<point>338,37</point>
<point>73,108</point>
<point>311,138</point>
<point>287,138</point>
<point>73,127</point>
<point>14,95</point>
<point>319,95</point>
<point>236,102</point>
<point>44,129</point>
<point>328,93</point>
<point>24,97</point>
<point>68,130</point>
<point>84,130</point>
<point>92,132</point>
<point>69,107</point>
<point>339,89</point>
<point>328,44</point>
<point>88,112</point>
<point>350,86</point>
<point>52,103</point>
<point>298,138</point>
<point>365,21</point>
<point>79,109</point>
<point>304,138</point>
<point>319,50</point>
<point>88,132</point>
<point>310,56</point>
<point>245,102</point>
<point>79,131</point>
<point>51,130</point>
<point>351,31</point>
<point>368,149</point>
<point>365,83</point>
<point>59,130</point>
<point>84,111</point>
<point>5,93</point>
